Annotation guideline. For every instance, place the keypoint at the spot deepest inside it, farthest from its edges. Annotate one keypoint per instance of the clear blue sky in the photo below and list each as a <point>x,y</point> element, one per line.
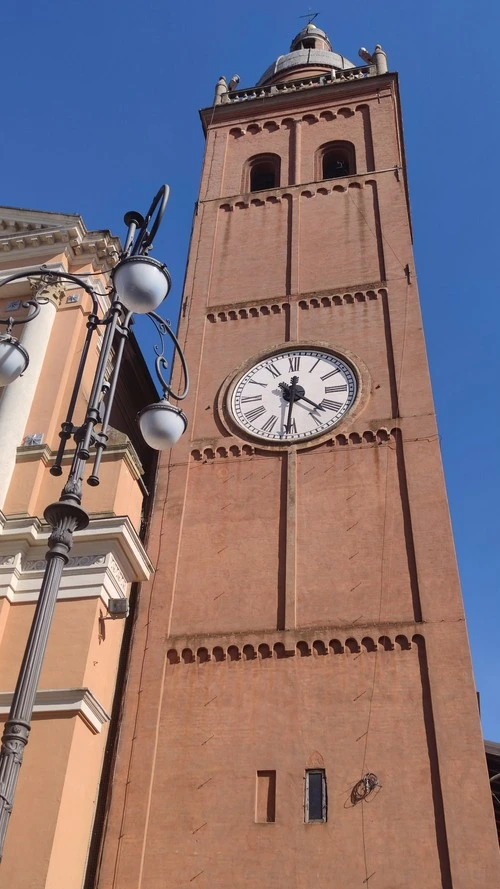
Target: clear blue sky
<point>99,107</point>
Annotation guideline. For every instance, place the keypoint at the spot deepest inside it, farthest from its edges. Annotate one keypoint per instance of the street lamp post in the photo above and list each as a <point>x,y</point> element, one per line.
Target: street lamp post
<point>139,284</point>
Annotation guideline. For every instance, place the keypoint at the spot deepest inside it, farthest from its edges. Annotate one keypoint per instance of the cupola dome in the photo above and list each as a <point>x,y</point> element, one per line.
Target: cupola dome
<point>310,53</point>
<point>311,37</point>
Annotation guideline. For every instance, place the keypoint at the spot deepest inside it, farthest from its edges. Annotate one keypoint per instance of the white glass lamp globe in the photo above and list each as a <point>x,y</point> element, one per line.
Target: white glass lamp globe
<point>141,283</point>
<point>162,425</point>
<point>14,359</point>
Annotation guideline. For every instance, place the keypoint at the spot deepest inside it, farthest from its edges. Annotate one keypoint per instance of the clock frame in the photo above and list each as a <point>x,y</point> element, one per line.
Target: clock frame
<point>266,419</point>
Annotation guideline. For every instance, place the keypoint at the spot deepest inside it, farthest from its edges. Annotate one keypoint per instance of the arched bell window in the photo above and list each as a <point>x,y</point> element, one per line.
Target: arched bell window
<point>336,159</point>
<point>262,172</point>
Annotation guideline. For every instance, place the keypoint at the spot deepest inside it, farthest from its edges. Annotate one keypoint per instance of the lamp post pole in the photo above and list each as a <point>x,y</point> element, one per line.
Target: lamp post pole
<point>140,284</point>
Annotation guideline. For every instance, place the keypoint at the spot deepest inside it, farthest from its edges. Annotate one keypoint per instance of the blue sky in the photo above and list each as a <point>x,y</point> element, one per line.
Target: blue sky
<point>99,107</point>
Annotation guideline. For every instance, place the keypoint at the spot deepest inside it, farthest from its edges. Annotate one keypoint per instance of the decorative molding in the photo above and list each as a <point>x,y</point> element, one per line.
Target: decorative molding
<point>73,562</point>
<point>302,647</point>
<point>79,701</point>
<point>108,556</point>
<point>368,438</point>
<point>37,232</point>
<point>333,77</point>
<point>340,299</point>
<point>247,312</point>
<point>119,446</point>
<point>33,439</point>
<point>304,189</point>
<point>207,455</point>
<point>286,123</point>
<point>53,292</point>
<point>117,572</point>
<point>325,300</point>
<point>29,453</point>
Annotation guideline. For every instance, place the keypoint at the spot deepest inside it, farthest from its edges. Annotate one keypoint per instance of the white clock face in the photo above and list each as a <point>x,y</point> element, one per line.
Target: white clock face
<point>294,395</point>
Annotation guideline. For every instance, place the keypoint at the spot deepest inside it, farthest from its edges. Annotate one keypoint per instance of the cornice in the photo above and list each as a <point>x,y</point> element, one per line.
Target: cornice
<point>243,200</point>
<point>315,642</point>
<point>79,701</point>
<point>208,450</point>
<point>221,115</point>
<point>125,451</point>
<point>106,558</point>
<point>34,233</point>
<point>343,296</point>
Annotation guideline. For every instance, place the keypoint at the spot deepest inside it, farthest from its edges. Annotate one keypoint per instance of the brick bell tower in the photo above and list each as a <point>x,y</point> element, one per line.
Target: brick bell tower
<point>300,707</point>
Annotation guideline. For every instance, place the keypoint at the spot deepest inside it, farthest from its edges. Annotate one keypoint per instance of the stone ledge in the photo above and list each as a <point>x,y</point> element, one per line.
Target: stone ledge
<point>77,701</point>
<point>106,558</point>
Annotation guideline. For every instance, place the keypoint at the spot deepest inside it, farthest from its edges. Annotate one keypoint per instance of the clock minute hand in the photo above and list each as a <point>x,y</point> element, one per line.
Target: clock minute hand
<point>292,390</point>
<point>303,398</point>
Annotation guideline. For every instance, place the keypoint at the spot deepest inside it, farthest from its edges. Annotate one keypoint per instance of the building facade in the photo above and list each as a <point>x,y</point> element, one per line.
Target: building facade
<point>55,803</point>
<point>300,705</point>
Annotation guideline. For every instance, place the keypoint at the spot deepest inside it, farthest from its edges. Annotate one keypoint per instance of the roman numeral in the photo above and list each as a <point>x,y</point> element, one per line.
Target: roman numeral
<point>330,405</point>
<point>256,383</point>
<point>247,398</point>
<point>294,362</point>
<point>273,370</point>
<point>269,424</point>
<point>293,428</point>
<point>255,413</point>
<point>314,365</point>
<point>325,405</point>
<point>342,388</point>
<point>331,374</point>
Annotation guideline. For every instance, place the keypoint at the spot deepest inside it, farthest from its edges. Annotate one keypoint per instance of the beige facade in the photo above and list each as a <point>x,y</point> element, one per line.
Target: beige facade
<point>305,622</point>
<point>54,809</point>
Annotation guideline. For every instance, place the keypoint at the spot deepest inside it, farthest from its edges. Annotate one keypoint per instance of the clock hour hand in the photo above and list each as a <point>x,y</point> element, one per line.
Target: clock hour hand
<point>298,395</point>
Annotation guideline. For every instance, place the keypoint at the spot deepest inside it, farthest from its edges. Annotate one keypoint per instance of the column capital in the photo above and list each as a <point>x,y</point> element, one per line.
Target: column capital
<point>51,291</point>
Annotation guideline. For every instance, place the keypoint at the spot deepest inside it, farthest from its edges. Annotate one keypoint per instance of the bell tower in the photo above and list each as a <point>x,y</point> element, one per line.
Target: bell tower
<point>300,705</point>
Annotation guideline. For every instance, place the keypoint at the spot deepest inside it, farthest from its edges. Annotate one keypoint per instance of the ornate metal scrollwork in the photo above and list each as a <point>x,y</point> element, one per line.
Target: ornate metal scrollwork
<point>161,364</point>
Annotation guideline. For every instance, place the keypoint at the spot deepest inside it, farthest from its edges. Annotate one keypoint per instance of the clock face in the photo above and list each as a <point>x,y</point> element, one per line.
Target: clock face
<point>294,395</point>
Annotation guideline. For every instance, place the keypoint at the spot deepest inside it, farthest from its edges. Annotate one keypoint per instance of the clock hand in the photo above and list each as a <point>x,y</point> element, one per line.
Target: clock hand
<point>303,398</point>
<point>292,390</point>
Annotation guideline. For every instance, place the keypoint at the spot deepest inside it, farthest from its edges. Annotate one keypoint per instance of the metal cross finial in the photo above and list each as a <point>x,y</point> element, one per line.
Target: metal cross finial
<point>310,15</point>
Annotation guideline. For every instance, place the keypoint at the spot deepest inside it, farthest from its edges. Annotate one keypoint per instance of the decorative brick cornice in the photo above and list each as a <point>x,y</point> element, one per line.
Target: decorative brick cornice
<point>261,308</point>
<point>275,101</point>
<point>340,299</point>
<point>242,312</point>
<point>355,182</point>
<point>299,644</point>
<point>255,127</point>
<point>369,438</point>
<point>208,454</point>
